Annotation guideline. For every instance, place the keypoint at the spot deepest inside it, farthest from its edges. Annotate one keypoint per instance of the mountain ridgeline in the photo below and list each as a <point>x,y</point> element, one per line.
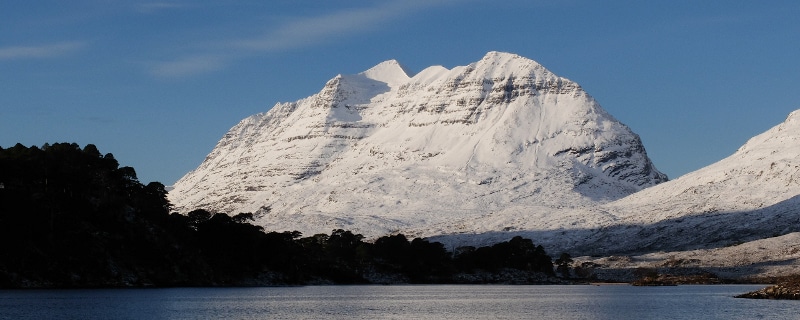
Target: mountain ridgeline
<point>383,151</point>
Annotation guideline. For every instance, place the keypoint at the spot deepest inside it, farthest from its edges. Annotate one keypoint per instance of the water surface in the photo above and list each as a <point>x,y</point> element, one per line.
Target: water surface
<point>398,302</point>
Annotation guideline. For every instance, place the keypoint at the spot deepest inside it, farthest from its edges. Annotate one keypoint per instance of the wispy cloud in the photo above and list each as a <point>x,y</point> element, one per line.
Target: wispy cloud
<point>40,51</point>
<point>188,66</point>
<point>293,34</point>
<point>152,7</point>
<point>313,30</point>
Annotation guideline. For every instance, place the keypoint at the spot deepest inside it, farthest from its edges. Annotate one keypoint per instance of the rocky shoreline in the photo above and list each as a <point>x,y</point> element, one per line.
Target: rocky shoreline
<point>788,289</point>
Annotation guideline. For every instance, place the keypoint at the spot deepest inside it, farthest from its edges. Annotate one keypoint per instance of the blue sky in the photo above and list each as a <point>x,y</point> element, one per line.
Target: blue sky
<point>157,83</point>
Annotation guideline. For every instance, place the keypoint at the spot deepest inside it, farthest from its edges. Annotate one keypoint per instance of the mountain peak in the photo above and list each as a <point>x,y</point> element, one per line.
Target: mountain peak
<point>496,64</point>
<point>500,55</point>
<point>505,58</point>
<point>390,71</point>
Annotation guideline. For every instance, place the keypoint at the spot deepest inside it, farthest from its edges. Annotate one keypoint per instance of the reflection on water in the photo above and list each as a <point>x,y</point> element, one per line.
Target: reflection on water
<point>398,302</point>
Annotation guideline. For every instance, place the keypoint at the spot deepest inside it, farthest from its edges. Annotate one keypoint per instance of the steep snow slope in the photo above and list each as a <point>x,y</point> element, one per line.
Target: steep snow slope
<point>763,172</point>
<point>382,152</point>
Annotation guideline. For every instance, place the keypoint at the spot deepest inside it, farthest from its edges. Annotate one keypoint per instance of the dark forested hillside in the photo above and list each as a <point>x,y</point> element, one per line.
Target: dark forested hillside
<point>72,217</point>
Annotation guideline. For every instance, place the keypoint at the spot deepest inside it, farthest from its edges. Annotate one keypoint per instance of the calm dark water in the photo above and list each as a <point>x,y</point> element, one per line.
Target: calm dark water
<point>398,302</point>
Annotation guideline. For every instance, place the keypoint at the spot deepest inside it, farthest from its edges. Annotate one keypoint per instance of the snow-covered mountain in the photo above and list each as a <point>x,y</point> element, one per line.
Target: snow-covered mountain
<point>382,151</point>
<point>501,147</point>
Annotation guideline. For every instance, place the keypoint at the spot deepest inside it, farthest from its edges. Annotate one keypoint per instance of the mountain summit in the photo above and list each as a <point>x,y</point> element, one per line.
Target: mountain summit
<point>381,151</point>
<point>390,72</point>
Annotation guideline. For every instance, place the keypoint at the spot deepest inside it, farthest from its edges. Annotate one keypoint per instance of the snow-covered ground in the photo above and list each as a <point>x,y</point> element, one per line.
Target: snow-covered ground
<point>759,259</point>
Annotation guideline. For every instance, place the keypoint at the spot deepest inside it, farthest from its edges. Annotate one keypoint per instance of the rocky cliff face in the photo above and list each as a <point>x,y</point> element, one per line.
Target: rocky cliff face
<point>382,152</point>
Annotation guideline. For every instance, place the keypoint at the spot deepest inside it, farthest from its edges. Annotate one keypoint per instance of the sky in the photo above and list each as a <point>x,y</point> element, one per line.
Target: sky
<point>158,83</point>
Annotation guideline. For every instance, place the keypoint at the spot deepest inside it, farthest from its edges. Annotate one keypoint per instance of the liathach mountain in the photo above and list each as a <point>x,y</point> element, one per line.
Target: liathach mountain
<point>501,147</point>
<point>501,144</point>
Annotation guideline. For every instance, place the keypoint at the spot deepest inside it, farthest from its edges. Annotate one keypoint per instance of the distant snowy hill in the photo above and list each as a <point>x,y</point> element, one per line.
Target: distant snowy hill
<point>500,144</point>
<point>739,217</point>
<point>763,172</point>
<point>752,194</point>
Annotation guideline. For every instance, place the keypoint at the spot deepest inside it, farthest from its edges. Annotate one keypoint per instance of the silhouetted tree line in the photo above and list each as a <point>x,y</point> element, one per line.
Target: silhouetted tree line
<point>72,217</point>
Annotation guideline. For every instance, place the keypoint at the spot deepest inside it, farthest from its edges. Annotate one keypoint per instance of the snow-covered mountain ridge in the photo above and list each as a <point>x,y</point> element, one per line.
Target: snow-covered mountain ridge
<point>381,152</point>
<point>501,147</point>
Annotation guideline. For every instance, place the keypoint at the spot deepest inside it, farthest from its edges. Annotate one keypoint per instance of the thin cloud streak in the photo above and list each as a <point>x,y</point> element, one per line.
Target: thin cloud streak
<point>310,31</point>
<point>40,52</point>
<point>189,66</point>
<point>298,33</point>
<point>154,7</point>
